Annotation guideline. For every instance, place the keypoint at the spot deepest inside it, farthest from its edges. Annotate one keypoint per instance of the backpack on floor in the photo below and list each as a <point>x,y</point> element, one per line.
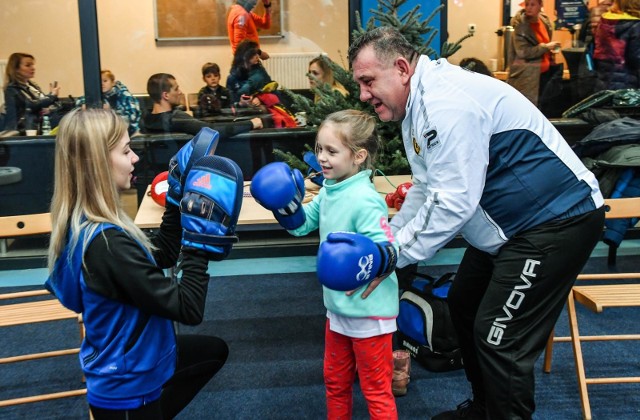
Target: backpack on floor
<point>424,324</point>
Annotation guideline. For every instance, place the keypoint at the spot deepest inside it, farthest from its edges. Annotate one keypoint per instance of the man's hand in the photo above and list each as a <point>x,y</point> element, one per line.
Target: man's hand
<point>370,287</point>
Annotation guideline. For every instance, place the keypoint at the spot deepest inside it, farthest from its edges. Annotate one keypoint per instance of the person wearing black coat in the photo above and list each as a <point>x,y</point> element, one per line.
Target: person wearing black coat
<point>25,101</point>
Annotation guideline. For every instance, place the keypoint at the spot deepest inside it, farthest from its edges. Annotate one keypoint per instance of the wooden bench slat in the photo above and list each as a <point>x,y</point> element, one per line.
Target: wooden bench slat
<point>39,311</point>
<point>35,356</point>
<point>33,311</point>
<point>43,397</point>
<point>599,297</point>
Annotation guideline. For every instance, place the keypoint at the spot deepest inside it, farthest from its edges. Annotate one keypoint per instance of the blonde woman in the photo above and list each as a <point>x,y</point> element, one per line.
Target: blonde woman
<point>320,71</point>
<point>105,268</point>
<point>24,99</point>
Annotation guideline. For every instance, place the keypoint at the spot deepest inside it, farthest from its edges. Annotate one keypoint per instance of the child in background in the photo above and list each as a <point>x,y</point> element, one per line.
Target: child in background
<point>213,96</point>
<point>360,325</point>
<point>116,95</point>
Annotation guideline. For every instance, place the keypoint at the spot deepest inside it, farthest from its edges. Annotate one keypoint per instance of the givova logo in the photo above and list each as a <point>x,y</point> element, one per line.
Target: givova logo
<point>514,301</point>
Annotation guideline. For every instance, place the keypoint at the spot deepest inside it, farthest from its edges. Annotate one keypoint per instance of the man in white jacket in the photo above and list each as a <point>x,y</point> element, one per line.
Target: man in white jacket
<point>487,165</point>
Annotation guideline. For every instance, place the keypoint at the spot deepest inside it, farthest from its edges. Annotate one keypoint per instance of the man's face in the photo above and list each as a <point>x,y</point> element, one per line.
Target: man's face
<point>383,85</point>
<point>174,95</point>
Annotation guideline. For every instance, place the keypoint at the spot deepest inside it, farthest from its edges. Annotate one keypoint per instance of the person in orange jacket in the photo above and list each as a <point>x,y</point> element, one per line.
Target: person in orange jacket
<point>243,24</point>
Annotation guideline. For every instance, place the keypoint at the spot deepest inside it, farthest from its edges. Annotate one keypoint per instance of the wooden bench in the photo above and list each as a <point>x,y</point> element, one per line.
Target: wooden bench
<point>597,297</point>
<point>34,306</point>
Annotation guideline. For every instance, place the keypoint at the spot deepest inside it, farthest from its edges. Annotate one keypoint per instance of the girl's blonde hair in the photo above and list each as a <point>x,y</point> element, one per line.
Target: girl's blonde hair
<point>85,193</point>
<point>357,130</point>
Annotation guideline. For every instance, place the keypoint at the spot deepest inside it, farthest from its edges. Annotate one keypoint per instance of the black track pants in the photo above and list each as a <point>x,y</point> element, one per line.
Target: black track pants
<point>199,359</point>
<point>504,308</point>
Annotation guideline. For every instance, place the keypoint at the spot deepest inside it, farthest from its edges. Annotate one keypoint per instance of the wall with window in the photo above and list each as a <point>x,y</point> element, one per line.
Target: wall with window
<point>48,29</point>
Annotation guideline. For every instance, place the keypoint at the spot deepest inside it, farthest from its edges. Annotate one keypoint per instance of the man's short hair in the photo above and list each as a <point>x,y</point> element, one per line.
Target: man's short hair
<point>387,43</point>
<point>158,84</point>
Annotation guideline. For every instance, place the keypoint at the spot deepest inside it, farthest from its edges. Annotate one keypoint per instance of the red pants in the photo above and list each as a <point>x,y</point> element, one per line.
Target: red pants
<point>374,358</point>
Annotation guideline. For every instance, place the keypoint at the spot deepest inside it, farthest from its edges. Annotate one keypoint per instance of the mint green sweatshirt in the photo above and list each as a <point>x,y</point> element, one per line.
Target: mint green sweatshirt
<point>353,205</point>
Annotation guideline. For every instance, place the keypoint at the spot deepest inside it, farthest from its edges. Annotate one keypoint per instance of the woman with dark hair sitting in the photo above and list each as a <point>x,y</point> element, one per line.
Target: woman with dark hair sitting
<point>247,75</point>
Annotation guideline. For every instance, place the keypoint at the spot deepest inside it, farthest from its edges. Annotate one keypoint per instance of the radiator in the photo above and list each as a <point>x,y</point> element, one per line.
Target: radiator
<point>3,66</point>
<point>290,70</point>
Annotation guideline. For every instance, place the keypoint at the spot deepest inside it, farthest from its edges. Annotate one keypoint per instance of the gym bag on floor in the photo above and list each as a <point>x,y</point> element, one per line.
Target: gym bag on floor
<point>424,324</point>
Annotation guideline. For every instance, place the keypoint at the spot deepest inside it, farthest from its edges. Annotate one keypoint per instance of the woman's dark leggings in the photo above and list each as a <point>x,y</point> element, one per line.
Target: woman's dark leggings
<point>200,357</point>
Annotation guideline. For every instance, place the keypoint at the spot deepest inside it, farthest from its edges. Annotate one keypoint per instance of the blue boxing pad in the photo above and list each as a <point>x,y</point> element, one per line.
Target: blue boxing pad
<point>211,206</point>
<point>347,260</point>
<point>280,189</point>
<point>203,144</point>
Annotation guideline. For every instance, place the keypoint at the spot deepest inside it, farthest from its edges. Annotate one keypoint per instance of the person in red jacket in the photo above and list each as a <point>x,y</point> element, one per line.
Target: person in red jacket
<point>243,24</point>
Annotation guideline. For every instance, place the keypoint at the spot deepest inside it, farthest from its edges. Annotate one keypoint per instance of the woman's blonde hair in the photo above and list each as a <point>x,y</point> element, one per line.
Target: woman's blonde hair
<point>13,64</point>
<point>85,193</point>
<point>357,130</point>
<point>327,75</point>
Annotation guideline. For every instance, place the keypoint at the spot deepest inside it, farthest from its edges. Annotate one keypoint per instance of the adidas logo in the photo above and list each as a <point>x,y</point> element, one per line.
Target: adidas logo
<point>204,181</point>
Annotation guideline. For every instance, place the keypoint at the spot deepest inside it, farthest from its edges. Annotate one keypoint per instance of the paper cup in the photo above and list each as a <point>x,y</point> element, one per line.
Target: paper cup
<point>493,64</point>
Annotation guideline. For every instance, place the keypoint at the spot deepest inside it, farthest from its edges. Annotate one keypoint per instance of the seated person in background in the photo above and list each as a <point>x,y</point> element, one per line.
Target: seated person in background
<point>116,95</point>
<point>475,65</point>
<point>320,71</point>
<point>213,96</point>
<point>243,24</point>
<point>251,86</point>
<point>247,75</point>
<point>166,118</point>
<point>24,99</point>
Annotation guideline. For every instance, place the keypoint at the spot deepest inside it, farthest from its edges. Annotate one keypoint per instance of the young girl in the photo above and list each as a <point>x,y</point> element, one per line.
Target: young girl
<point>104,267</point>
<point>358,330</point>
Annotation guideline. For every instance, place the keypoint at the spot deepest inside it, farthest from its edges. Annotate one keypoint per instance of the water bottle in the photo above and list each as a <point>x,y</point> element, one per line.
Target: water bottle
<point>46,125</point>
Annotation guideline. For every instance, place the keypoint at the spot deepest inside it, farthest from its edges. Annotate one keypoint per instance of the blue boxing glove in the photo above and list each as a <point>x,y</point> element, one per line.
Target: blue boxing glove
<point>280,189</point>
<point>347,261</point>
<point>211,206</point>
<point>204,143</point>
